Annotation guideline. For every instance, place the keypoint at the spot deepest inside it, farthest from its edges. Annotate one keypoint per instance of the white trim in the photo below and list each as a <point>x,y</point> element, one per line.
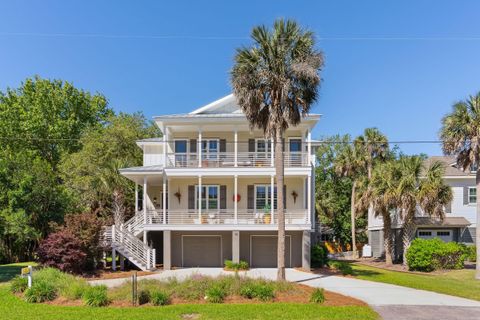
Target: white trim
<point>274,236</point>
<point>216,103</point>
<point>206,235</point>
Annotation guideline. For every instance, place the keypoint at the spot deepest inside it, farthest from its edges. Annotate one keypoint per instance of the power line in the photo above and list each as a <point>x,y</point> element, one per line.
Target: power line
<point>228,142</point>
<point>215,37</point>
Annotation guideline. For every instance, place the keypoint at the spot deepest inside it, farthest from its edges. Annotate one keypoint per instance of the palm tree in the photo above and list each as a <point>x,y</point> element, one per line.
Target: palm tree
<point>350,164</point>
<point>460,134</point>
<point>382,194</point>
<point>376,149</point>
<point>420,186</point>
<point>275,82</point>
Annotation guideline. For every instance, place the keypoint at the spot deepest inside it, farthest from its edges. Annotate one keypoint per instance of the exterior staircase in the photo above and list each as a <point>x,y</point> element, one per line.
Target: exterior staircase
<point>124,241</point>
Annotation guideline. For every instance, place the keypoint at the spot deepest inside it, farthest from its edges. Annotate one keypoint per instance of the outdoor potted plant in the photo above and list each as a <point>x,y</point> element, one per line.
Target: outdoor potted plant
<point>267,217</point>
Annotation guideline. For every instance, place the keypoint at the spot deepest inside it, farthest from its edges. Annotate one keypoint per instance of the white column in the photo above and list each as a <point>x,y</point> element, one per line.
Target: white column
<point>272,196</point>
<point>199,148</point>
<point>309,197</point>
<point>145,196</point>
<point>309,147</point>
<point>272,156</point>
<point>236,148</point>
<point>114,260</point>
<point>304,204</point>
<point>164,199</point>
<point>199,198</point>
<point>236,246</point>
<point>145,237</point>
<point>167,250</point>
<point>136,197</point>
<point>235,203</point>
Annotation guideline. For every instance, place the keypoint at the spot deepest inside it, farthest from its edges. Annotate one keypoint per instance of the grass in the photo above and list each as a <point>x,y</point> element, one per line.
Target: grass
<point>8,271</point>
<point>459,283</point>
<point>12,308</point>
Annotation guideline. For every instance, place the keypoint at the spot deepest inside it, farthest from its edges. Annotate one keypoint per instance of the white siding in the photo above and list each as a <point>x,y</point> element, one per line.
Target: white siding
<point>458,208</point>
<point>153,155</point>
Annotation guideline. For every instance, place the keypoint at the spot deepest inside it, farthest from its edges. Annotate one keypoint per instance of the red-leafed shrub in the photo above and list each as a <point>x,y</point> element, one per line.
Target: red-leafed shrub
<point>87,228</point>
<point>64,251</point>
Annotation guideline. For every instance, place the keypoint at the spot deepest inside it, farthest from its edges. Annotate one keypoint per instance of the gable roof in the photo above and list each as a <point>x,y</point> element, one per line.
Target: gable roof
<point>451,170</point>
<point>225,107</point>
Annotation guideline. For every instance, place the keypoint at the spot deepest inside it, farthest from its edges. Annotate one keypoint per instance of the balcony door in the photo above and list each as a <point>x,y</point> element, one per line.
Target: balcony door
<point>210,149</point>
<point>295,151</point>
<point>180,153</point>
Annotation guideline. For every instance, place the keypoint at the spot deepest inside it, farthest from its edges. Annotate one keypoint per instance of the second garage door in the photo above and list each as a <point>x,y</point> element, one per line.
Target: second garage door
<point>202,251</point>
<point>264,251</point>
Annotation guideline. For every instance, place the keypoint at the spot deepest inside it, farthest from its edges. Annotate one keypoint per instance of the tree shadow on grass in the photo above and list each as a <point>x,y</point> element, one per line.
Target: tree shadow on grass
<point>9,271</point>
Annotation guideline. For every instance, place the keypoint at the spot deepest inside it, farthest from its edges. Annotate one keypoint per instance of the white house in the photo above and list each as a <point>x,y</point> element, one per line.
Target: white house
<point>209,193</point>
<point>460,215</point>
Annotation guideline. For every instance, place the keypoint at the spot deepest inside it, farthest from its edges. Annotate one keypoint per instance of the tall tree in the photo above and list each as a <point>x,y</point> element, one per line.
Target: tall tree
<point>350,163</point>
<point>460,134</point>
<point>419,186</point>
<point>275,82</point>
<point>92,172</point>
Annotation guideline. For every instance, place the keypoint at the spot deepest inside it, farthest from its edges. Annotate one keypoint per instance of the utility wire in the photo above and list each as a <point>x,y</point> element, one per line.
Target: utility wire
<point>213,37</point>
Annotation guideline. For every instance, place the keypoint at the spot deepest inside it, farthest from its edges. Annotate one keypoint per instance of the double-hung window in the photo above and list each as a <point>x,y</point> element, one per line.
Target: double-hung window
<point>209,197</point>
<point>295,149</point>
<point>263,197</point>
<point>472,195</point>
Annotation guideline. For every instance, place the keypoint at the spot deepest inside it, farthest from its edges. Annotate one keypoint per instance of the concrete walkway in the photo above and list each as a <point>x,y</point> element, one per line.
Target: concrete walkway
<point>390,301</point>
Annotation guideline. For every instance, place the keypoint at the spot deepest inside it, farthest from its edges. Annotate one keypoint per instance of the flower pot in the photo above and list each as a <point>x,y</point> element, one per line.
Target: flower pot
<point>267,219</point>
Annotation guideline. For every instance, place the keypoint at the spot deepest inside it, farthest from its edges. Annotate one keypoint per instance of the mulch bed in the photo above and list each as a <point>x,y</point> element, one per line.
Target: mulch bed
<point>107,274</point>
<point>300,294</point>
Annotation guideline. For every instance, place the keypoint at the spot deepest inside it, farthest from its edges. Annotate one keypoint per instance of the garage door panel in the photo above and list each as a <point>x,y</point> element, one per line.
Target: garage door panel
<point>202,251</point>
<point>264,252</point>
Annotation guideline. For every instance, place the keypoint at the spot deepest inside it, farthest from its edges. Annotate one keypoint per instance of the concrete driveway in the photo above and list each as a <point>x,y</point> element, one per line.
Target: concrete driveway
<point>390,301</point>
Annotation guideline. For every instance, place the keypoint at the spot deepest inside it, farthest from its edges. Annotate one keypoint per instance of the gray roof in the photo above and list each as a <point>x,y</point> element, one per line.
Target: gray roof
<point>154,168</point>
<point>447,222</point>
<point>450,167</point>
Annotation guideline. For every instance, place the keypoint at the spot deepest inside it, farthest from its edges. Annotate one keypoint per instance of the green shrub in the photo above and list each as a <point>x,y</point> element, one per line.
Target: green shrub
<point>260,291</point>
<point>40,291</point>
<point>317,296</point>
<point>432,254</point>
<point>75,291</point>
<point>143,297</point>
<point>159,298</point>
<point>18,284</point>
<point>230,265</point>
<point>344,267</point>
<point>319,255</point>
<point>96,296</point>
<point>215,294</point>
<point>65,285</point>
<point>470,252</point>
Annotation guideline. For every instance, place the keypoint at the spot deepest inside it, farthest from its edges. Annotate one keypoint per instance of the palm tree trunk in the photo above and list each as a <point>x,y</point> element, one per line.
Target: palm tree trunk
<point>352,216</point>
<point>387,233</point>
<point>409,229</point>
<point>477,181</point>
<point>280,207</point>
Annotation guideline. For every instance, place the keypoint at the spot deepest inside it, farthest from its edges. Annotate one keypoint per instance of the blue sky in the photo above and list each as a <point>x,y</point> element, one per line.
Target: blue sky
<point>397,66</point>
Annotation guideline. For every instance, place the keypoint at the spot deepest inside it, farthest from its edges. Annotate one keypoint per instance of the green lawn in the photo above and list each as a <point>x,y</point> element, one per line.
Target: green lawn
<point>8,271</point>
<point>459,283</point>
<point>13,308</point>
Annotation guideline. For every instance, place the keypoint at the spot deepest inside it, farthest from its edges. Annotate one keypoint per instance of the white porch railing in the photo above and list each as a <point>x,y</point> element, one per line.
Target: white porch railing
<point>227,159</point>
<point>224,217</point>
<point>133,248</point>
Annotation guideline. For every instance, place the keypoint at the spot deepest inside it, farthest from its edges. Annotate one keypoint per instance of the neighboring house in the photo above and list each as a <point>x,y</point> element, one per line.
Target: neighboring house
<point>460,214</point>
<point>209,193</point>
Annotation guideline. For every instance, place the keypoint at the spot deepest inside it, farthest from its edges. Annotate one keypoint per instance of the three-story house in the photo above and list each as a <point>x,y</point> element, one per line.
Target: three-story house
<point>209,193</point>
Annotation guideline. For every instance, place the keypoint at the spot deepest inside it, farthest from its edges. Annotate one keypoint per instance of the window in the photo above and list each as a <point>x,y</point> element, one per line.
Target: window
<point>424,233</point>
<point>473,167</point>
<point>472,195</point>
<point>209,197</point>
<point>295,145</point>
<point>263,197</point>
<point>210,149</point>
<point>443,233</point>
<point>180,153</point>
<point>262,148</point>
